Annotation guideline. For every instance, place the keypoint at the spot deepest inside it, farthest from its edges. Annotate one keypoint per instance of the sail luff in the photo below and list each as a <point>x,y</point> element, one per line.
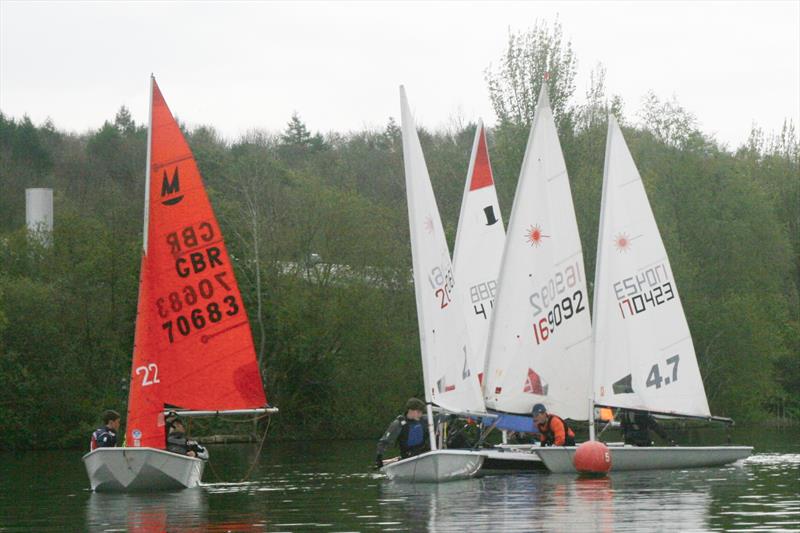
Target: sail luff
<point>480,238</point>
<point>489,363</point>
<point>143,419</point>
<point>467,183</point>
<point>445,350</point>
<point>409,139</point>
<point>145,224</point>
<point>597,274</point>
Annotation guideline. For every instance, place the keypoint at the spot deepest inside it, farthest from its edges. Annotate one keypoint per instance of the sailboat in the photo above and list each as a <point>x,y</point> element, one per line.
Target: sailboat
<point>541,330</point>
<point>193,349</point>
<point>644,358</point>
<point>450,382</point>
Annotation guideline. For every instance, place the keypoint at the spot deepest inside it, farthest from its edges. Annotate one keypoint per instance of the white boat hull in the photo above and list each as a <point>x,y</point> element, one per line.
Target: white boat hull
<point>511,458</point>
<point>560,459</point>
<point>141,469</point>
<point>435,466</point>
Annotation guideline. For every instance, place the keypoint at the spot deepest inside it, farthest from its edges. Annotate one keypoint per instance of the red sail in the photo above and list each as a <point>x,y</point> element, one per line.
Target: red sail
<point>193,346</point>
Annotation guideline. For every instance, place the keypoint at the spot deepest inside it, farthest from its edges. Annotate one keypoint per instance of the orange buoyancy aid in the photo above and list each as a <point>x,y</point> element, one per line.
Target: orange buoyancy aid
<point>556,432</point>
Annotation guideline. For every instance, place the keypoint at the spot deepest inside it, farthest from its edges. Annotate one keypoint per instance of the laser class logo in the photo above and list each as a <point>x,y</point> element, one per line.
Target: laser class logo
<point>428,224</point>
<point>622,242</point>
<point>171,188</point>
<point>534,235</point>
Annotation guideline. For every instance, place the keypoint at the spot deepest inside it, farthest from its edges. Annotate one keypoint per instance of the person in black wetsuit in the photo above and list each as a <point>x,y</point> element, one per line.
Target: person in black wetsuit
<point>636,426</point>
<point>106,436</point>
<point>409,431</point>
<point>178,443</point>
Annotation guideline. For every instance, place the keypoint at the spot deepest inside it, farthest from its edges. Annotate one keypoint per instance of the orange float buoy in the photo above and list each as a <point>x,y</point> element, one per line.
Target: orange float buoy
<point>592,457</point>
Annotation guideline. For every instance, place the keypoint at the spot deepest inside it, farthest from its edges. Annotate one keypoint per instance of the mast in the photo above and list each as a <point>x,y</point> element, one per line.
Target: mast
<point>147,168</point>
<point>431,428</point>
<point>597,268</point>
<point>134,406</point>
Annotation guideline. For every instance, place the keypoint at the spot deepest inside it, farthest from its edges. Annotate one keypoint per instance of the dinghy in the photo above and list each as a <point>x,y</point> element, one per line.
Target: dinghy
<point>644,358</point>
<point>451,383</point>
<point>193,349</point>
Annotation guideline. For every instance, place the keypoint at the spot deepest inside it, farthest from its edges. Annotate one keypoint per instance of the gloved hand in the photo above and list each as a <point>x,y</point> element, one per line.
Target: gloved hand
<point>378,461</point>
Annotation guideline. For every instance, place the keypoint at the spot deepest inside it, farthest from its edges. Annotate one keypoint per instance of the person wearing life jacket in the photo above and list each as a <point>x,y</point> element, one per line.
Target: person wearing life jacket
<point>177,441</point>
<point>106,436</point>
<point>553,430</point>
<point>410,431</point>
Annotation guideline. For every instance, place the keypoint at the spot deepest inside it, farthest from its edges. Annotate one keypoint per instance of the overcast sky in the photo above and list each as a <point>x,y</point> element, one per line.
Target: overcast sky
<point>239,66</point>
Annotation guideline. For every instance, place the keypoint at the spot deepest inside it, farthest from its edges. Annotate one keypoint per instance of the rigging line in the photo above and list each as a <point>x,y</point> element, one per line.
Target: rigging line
<point>219,479</point>
<point>258,452</point>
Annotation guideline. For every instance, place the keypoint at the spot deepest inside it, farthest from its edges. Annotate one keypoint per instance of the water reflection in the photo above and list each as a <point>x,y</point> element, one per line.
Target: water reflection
<point>767,498</point>
<point>181,511</point>
<point>551,502</point>
<point>329,486</point>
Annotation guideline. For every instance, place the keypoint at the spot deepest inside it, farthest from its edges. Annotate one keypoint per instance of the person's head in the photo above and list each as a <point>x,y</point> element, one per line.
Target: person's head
<point>539,413</point>
<point>414,408</point>
<point>174,423</point>
<point>111,419</point>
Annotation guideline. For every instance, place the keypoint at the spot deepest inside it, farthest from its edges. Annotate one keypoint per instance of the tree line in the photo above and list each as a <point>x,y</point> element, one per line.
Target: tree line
<point>317,228</point>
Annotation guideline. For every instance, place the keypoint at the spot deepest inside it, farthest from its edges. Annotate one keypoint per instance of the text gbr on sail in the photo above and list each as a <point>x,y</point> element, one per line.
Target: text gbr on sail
<point>191,237</point>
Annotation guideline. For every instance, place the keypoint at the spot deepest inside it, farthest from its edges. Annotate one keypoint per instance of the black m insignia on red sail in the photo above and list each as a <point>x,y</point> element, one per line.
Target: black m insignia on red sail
<point>171,187</point>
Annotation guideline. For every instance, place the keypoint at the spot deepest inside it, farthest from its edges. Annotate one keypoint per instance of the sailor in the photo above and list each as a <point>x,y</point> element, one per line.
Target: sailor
<point>553,430</point>
<point>106,436</point>
<point>636,426</point>
<point>409,431</point>
<point>177,441</point>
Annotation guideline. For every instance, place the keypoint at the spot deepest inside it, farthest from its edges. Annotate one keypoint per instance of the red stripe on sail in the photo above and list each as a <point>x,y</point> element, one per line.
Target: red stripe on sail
<point>193,339</point>
<point>482,170</point>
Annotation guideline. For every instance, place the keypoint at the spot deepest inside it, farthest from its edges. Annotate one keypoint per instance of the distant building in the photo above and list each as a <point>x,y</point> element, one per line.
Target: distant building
<point>39,212</point>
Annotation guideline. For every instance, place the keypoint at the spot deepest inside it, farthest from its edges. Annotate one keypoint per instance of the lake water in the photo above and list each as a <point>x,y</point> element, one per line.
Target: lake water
<point>331,487</point>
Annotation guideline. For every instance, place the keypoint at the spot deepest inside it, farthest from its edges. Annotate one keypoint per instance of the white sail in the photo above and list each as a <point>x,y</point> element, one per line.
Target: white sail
<point>479,247</point>
<point>539,340</point>
<point>644,356</point>
<point>449,380</point>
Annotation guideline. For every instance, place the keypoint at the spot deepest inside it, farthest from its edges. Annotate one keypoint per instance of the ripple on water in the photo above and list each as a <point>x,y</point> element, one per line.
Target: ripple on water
<point>773,459</point>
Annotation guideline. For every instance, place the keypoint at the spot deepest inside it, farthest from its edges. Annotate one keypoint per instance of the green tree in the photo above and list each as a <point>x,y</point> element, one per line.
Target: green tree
<point>296,139</point>
<point>532,56</point>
